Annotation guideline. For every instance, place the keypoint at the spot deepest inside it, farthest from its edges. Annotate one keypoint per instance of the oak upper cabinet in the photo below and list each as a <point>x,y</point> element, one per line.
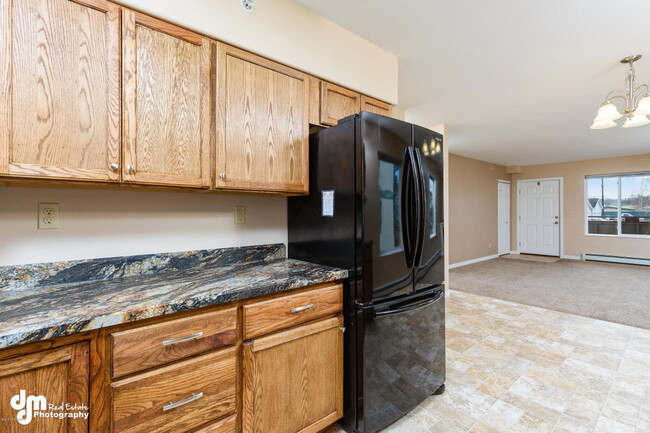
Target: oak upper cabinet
<point>166,103</point>
<point>328,103</point>
<point>60,375</point>
<point>59,89</point>
<point>293,380</point>
<point>262,124</point>
<point>376,106</point>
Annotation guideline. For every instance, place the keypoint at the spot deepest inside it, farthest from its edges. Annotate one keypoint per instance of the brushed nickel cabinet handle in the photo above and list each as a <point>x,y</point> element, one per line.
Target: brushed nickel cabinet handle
<point>180,340</point>
<point>303,308</point>
<point>114,166</point>
<point>222,175</point>
<point>130,168</point>
<point>171,405</point>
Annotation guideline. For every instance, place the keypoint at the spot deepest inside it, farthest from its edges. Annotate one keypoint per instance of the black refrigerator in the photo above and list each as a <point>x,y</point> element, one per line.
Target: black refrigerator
<point>375,207</point>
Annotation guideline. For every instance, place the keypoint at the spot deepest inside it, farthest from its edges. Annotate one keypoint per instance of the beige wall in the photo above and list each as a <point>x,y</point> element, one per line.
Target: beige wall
<point>287,32</point>
<point>576,242</point>
<point>472,221</point>
<point>98,223</point>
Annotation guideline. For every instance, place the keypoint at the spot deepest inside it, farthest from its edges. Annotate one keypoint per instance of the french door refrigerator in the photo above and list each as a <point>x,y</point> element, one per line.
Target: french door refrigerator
<point>375,207</point>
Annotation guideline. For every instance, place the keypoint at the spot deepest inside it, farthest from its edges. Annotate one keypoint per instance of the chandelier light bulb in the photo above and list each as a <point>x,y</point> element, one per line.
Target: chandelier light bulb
<point>608,111</point>
<point>644,106</point>
<point>634,120</point>
<point>603,124</point>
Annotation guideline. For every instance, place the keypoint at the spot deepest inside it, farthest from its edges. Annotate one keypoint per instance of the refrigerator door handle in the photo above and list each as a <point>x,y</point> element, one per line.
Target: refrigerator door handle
<point>411,307</point>
<point>414,217</point>
<point>407,237</point>
<point>421,210</point>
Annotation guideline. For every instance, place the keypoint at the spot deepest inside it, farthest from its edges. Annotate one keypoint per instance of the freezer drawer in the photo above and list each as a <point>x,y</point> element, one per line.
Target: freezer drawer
<point>403,358</point>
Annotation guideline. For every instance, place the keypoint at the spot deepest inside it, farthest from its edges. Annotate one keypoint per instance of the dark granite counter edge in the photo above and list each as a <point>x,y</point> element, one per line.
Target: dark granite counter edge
<point>209,298</point>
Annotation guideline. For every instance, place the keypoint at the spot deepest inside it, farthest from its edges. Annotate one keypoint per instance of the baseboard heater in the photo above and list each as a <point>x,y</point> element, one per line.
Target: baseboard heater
<point>617,259</point>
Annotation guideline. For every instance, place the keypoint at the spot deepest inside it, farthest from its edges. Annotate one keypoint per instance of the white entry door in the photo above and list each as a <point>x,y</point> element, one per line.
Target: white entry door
<point>504,217</point>
<point>539,217</point>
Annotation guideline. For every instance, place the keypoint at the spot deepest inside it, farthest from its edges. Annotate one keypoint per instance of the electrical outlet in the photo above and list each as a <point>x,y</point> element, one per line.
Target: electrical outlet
<point>240,215</point>
<point>490,245</point>
<point>48,216</point>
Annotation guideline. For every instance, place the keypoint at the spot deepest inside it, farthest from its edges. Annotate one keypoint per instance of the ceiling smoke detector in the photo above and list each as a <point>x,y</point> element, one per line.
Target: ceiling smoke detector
<point>247,5</point>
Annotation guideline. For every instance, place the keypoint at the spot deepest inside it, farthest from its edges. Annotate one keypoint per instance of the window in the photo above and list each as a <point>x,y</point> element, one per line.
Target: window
<point>618,205</point>
<point>389,237</point>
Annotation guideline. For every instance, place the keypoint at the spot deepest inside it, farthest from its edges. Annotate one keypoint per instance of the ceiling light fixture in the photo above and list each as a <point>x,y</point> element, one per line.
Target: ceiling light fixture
<point>637,102</point>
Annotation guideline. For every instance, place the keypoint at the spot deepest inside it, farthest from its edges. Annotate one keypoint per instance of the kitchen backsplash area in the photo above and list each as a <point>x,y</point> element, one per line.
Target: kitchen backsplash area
<point>99,223</point>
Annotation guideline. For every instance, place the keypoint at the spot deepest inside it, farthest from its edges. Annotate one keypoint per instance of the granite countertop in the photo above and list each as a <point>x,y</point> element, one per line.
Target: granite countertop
<point>43,301</point>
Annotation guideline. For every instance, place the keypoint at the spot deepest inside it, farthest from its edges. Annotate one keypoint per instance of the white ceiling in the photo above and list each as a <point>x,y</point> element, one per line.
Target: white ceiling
<point>518,82</point>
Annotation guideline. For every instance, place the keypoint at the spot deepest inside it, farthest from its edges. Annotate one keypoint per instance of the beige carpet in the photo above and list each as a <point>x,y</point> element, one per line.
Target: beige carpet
<point>607,291</point>
<point>532,258</point>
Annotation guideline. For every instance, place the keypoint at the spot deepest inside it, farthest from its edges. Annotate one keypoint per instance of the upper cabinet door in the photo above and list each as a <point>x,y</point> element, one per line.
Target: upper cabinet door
<point>59,89</point>
<point>262,125</point>
<point>166,110</point>
<point>336,102</point>
<point>376,106</point>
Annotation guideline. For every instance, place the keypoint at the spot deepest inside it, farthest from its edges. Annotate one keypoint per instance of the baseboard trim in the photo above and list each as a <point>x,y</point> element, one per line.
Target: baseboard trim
<point>469,262</point>
<point>617,259</point>
<point>514,253</point>
<point>571,257</point>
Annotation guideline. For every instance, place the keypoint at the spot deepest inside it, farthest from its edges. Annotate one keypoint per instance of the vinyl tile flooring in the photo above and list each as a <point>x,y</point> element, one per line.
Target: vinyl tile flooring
<point>517,368</point>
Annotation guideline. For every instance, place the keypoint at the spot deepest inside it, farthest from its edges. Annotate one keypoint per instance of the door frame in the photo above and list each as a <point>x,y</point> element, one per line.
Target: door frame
<point>505,182</point>
<point>560,211</point>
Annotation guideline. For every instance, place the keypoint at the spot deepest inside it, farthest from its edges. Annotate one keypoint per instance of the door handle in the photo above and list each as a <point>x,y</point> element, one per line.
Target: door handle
<point>412,307</point>
<point>421,211</point>
<point>404,211</point>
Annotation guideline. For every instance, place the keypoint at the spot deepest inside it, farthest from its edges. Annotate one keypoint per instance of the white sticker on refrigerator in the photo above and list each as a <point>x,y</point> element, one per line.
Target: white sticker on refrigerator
<point>327,198</point>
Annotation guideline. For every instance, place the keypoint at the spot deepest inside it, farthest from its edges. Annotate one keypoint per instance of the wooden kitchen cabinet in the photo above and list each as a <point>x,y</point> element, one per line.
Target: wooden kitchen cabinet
<point>59,89</point>
<point>262,124</point>
<point>376,106</point>
<point>328,103</point>
<point>293,380</point>
<point>193,371</point>
<point>167,96</point>
<point>61,375</point>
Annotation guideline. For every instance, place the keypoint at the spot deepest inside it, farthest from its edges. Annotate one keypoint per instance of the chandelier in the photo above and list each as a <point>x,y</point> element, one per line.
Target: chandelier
<point>637,102</point>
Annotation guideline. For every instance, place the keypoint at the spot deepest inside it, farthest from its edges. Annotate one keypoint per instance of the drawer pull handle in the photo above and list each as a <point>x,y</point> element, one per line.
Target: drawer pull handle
<point>180,340</point>
<point>303,308</point>
<point>171,405</point>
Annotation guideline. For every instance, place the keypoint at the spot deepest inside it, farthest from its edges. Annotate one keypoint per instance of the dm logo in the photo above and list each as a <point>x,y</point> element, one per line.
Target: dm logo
<point>26,405</point>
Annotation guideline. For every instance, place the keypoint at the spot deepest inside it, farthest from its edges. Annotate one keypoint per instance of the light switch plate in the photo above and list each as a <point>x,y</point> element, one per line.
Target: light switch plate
<point>48,216</point>
<point>240,215</point>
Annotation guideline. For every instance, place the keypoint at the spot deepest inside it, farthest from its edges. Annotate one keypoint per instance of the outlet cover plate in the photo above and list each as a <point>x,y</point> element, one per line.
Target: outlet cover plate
<point>240,215</point>
<point>48,216</point>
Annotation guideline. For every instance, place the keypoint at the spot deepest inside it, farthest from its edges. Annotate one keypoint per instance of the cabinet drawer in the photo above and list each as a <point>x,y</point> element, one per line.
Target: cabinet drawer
<point>267,316</point>
<point>176,398</point>
<point>150,346</point>
<point>228,425</point>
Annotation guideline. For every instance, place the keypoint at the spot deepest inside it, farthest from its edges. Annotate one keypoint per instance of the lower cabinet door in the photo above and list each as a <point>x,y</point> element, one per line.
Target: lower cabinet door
<point>293,380</point>
<point>46,391</point>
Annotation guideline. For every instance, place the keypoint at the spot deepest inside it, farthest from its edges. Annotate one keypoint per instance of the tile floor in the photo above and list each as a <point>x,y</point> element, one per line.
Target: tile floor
<point>516,368</point>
